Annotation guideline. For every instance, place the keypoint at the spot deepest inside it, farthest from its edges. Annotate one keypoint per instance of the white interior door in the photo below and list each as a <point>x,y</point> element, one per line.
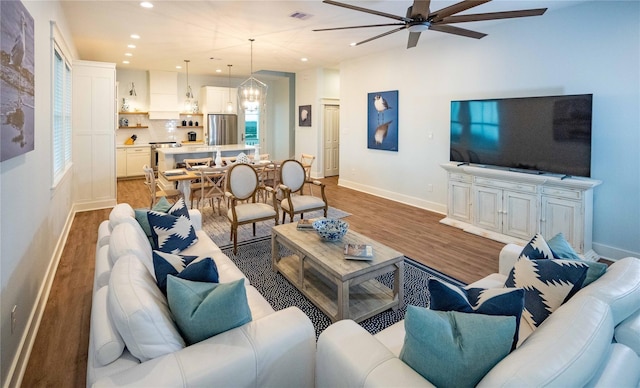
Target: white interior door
<point>331,140</point>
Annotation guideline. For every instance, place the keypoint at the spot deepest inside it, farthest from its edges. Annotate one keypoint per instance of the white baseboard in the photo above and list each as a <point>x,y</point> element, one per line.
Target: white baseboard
<point>21,358</point>
<point>613,253</point>
<point>393,196</point>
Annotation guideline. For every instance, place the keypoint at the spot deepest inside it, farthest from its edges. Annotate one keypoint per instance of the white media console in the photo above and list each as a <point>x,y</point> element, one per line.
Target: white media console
<point>511,207</point>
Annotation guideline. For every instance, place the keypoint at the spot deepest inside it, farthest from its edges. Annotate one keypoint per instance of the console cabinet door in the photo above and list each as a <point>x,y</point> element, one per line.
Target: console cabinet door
<point>136,158</point>
<point>520,214</point>
<point>562,215</point>
<point>459,206</point>
<point>487,212</point>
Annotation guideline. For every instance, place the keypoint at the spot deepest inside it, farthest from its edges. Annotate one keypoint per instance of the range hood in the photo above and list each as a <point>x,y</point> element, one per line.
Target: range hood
<point>163,95</point>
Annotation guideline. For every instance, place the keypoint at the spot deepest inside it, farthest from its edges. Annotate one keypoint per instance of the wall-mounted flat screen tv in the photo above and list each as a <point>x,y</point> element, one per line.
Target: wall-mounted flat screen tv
<point>550,134</point>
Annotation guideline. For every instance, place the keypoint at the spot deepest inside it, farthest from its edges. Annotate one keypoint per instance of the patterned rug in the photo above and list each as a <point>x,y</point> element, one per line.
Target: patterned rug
<point>254,260</point>
<point>218,227</point>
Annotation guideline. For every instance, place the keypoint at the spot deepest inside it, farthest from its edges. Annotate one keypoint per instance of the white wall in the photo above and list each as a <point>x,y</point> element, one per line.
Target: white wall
<point>592,47</point>
<point>33,215</point>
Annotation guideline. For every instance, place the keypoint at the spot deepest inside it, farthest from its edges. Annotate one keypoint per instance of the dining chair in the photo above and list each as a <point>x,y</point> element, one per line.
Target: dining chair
<point>307,161</point>
<point>294,201</point>
<point>244,208</point>
<point>189,163</point>
<point>155,191</point>
<point>211,186</point>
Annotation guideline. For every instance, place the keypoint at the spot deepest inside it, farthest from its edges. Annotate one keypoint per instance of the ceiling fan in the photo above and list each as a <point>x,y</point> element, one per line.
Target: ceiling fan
<point>419,18</point>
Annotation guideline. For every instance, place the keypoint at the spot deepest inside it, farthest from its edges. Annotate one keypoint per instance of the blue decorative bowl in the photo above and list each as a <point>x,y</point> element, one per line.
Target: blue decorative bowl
<point>331,229</point>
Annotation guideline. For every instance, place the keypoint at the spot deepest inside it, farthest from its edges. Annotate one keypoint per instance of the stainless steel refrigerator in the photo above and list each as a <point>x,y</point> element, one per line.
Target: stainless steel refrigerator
<point>221,129</point>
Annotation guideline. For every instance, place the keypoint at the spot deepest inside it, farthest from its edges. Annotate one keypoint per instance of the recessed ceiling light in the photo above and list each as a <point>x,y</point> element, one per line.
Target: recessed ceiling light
<point>126,62</point>
<point>135,36</point>
<point>304,59</point>
<point>128,54</point>
<point>352,44</point>
<point>218,71</point>
<point>146,4</point>
<point>131,45</point>
<point>178,67</point>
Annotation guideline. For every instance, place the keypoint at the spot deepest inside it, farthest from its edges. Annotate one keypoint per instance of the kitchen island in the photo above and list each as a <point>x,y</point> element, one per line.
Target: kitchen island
<point>169,157</point>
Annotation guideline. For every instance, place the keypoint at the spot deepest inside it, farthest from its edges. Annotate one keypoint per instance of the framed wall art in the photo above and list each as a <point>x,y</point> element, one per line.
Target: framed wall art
<point>17,68</point>
<point>382,120</point>
<point>304,115</point>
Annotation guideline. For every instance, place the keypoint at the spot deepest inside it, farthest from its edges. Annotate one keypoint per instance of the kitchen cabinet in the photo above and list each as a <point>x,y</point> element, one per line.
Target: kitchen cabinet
<point>131,159</point>
<point>511,207</point>
<point>214,99</point>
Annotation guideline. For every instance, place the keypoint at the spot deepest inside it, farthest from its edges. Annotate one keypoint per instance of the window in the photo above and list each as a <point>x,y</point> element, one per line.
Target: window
<point>61,109</point>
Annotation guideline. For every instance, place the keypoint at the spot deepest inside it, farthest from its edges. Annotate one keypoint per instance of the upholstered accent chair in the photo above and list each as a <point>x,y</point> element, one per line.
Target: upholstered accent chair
<point>155,191</point>
<point>243,186</point>
<point>294,201</point>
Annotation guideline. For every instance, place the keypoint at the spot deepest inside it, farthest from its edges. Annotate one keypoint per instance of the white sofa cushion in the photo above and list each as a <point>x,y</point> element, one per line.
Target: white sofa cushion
<point>122,212</point>
<point>103,268</point>
<point>628,332</point>
<point>619,287</point>
<point>140,311</point>
<point>565,351</point>
<point>104,231</point>
<point>107,342</point>
<point>129,239</point>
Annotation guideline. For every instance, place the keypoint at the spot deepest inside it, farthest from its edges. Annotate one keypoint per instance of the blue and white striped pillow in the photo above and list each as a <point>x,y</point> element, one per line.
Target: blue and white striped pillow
<point>172,232</point>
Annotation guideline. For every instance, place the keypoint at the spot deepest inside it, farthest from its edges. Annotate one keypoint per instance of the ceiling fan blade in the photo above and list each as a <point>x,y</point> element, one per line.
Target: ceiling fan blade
<point>367,10</point>
<point>493,16</point>
<point>452,9</point>
<point>420,7</point>
<point>413,39</point>
<point>365,26</point>
<point>381,35</point>
<point>457,31</point>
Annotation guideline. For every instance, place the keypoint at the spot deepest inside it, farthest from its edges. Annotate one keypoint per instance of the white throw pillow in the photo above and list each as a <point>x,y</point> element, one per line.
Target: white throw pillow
<point>140,312</point>
<point>121,212</point>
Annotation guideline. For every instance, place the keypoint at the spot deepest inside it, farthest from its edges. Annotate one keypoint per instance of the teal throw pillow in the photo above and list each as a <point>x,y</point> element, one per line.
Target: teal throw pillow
<point>444,296</point>
<point>453,349</point>
<point>563,250</point>
<point>162,206</point>
<point>202,310</point>
<point>196,268</point>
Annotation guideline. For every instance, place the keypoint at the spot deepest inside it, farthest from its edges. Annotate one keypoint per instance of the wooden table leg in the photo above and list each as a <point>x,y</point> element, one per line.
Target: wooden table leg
<point>275,253</point>
<point>343,301</point>
<point>398,284</point>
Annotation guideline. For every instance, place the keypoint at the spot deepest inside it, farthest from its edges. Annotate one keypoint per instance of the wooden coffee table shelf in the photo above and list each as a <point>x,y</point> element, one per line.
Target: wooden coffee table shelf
<point>342,289</point>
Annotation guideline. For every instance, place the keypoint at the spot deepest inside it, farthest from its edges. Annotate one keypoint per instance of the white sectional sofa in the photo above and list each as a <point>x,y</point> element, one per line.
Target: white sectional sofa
<point>591,340</point>
<point>274,349</point>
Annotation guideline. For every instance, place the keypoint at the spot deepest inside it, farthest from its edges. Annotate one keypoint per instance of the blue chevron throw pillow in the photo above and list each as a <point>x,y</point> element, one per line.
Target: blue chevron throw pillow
<point>172,232</point>
<point>547,284</point>
<point>194,268</point>
<point>536,249</point>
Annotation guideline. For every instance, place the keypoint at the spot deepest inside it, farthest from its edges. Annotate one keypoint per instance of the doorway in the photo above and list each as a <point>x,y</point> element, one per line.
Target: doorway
<point>331,146</point>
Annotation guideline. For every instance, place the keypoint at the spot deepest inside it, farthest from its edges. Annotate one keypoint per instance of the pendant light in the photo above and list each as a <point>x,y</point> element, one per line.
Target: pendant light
<point>252,93</point>
<point>188,103</point>
<point>229,102</point>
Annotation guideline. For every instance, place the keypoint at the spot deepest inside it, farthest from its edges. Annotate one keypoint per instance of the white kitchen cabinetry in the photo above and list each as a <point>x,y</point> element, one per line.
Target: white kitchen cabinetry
<point>214,99</point>
<point>511,207</point>
<point>121,162</point>
<point>131,160</point>
<point>94,124</point>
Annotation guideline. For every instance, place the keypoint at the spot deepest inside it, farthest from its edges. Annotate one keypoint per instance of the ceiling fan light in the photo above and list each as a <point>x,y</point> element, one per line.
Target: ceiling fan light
<point>419,27</point>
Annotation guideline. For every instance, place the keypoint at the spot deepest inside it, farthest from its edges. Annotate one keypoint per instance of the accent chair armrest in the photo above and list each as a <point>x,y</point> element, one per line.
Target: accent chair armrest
<point>277,350</point>
<point>349,356</point>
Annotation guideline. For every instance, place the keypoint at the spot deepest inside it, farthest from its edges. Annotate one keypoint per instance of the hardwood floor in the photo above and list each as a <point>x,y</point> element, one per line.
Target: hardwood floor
<point>59,355</point>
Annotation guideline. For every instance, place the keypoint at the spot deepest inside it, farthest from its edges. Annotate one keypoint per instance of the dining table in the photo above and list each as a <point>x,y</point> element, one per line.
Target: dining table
<point>266,170</point>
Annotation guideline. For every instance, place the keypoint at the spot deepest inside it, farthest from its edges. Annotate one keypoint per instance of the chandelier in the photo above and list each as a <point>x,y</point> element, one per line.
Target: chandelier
<point>252,93</point>
<point>188,102</point>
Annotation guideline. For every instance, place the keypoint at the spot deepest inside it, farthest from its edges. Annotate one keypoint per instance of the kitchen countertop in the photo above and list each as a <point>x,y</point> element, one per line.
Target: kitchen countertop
<point>133,145</point>
<point>192,149</point>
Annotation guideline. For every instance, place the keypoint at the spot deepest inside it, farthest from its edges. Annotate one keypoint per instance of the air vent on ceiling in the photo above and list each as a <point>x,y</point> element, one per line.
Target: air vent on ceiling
<point>300,15</point>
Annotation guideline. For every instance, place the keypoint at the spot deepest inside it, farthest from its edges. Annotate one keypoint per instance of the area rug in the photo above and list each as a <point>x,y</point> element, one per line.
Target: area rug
<point>218,226</point>
<point>254,260</point>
